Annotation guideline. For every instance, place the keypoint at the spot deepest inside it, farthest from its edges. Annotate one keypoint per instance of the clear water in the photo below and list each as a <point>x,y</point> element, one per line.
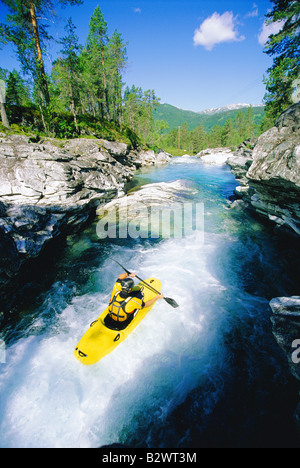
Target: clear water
<point>208,374</point>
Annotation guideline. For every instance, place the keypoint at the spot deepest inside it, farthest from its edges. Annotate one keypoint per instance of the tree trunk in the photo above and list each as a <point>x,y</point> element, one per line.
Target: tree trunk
<point>44,84</point>
<point>73,109</point>
<point>4,115</point>
<point>43,119</point>
<point>82,106</point>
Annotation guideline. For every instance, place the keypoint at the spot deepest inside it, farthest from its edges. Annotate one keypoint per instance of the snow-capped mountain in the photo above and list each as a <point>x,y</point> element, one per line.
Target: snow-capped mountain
<point>217,110</point>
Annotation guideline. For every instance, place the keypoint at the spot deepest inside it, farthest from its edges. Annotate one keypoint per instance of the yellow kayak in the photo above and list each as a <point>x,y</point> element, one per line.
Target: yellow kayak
<point>99,340</point>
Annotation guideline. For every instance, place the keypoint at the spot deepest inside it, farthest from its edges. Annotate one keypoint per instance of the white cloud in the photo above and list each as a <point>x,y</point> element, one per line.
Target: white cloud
<point>137,10</point>
<point>268,29</point>
<point>253,13</point>
<point>216,29</point>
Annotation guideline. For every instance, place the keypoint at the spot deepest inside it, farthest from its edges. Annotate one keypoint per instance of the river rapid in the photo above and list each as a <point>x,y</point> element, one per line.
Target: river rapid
<point>207,374</point>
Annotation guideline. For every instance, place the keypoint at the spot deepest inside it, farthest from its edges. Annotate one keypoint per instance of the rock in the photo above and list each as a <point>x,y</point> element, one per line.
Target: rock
<point>163,158</point>
<point>149,158</point>
<point>214,155</point>
<point>114,148</point>
<point>46,174</point>
<point>145,209</point>
<point>270,173</point>
<point>9,259</point>
<point>150,195</point>
<point>286,329</point>
<point>241,160</point>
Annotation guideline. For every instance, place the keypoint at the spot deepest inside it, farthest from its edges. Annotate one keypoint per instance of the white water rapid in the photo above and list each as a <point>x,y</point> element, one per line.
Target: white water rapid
<point>177,365</point>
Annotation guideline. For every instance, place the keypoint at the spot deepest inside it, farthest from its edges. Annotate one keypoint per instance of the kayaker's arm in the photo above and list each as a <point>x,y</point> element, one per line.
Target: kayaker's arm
<point>151,301</point>
<point>125,275</point>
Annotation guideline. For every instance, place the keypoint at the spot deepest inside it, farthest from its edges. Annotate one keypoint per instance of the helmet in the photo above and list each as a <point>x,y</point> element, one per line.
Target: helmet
<point>127,284</point>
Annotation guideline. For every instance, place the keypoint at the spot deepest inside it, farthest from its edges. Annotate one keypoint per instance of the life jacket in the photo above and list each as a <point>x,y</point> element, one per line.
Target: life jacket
<point>117,308</point>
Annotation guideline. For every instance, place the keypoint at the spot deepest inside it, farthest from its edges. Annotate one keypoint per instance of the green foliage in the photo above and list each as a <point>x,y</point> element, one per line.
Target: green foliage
<point>17,90</point>
<point>138,113</point>
<point>97,41</point>
<point>285,48</point>
<point>84,94</point>
<point>89,79</point>
<point>175,117</point>
<point>85,87</point>
<point>241,126</point>
<point>67,73</point>
<point>27,29</point>
<point>26,119</point>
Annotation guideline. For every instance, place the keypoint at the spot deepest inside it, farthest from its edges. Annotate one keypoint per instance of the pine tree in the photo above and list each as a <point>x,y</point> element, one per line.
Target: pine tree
<point>97,52</point>
<point>88,93</point>
<point>66,72</point>
<point>132,104</point>
<point>17,90</point>
<point>138,111</point>
<point>285,48</point>
<point>26,29</point>
<point>116,63</point>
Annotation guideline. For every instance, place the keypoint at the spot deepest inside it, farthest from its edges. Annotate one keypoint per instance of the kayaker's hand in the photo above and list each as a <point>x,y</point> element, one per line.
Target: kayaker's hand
<point>153,300</point>
<point>132,275</point>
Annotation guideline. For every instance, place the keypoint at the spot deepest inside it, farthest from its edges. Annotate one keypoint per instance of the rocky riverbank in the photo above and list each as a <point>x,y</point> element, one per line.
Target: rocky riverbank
<point>268,171</point>
<point>286,329</point>
<point>53,187</point>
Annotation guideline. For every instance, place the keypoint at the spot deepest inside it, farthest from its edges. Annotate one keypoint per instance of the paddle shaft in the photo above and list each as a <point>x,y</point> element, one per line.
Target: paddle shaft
<point>142,281</point>
<point>167,299</point>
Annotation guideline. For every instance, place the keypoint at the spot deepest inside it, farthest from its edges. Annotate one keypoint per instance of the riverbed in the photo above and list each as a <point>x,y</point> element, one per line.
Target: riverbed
<point>207,374</point>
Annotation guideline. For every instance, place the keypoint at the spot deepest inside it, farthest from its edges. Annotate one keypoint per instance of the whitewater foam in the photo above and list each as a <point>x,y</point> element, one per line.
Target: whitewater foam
<point>49,399</point>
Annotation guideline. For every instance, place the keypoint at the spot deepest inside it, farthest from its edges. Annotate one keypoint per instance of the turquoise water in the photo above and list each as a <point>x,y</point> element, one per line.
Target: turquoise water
<point>207,374</point>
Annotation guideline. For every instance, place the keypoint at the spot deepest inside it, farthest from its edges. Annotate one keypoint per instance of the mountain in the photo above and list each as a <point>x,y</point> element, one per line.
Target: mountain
<point>176,117</point>
<point>217,110</point>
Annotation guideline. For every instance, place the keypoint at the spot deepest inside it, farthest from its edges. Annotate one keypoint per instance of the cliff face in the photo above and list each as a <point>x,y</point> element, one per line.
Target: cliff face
<point>51,187</point>
<point>286,329</point>
<point>269,172</point>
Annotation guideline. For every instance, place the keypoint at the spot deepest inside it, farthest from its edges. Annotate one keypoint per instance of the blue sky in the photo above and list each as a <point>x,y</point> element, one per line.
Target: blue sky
<point>195,54</point>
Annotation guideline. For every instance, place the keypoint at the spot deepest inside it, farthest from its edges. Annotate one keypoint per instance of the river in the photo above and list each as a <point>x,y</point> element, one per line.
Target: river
<point>208,374</point>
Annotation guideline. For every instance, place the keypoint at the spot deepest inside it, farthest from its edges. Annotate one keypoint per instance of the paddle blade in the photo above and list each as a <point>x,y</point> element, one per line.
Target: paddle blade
<point>172,302</point>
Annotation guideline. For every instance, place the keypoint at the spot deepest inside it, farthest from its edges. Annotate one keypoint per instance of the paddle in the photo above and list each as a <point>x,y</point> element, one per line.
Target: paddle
<point>170,301</point>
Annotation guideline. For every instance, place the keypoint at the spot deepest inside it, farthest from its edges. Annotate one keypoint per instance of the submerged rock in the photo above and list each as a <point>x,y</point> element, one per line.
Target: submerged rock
<point>160,194</point>
<point>148,209</point>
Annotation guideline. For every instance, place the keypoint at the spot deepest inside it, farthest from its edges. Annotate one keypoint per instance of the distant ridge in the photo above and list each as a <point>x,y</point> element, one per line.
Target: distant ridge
<point>217,110</point>
<point>176,117</point>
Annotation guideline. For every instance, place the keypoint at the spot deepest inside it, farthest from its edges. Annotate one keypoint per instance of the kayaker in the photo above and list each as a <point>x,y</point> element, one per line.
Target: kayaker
<point>126,302</point>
